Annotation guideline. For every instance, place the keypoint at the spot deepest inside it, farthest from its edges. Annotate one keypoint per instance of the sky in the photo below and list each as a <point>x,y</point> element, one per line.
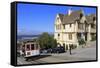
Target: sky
<point>35,19</point>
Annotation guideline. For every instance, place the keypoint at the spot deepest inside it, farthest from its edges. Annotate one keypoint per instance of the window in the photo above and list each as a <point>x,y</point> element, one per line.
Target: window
<point>93,25</point>
<point>28,53</point>
<point>64,26</point>
<point>78,35</point>
<point>58,35</point>
<point>32,46</point>
<point>70,36</point>
<point>28,47</point>
<point>70,25</point>
<point>58,26</point>
<point>81,26</point>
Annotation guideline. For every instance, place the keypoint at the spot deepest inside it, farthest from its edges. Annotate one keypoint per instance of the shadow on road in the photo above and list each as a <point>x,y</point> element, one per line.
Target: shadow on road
<point>33,58</point>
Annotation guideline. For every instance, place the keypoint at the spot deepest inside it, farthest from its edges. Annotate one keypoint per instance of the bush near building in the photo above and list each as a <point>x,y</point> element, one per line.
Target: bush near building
<point>93,38</point>
<point>81,41</point>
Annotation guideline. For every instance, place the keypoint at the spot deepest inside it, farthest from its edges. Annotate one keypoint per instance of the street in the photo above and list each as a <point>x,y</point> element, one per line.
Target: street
<point>79,54</point>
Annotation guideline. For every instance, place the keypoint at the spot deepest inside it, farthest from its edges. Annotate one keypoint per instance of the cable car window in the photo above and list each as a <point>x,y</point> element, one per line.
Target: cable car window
<point>28,47</point>
<point>28,53</point>
<point>32,46</point>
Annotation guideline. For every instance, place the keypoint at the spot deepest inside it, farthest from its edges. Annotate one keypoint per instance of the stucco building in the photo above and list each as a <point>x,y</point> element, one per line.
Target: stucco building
<point>74,25</point>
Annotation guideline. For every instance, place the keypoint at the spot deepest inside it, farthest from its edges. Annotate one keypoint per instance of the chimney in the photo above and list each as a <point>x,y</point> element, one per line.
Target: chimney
<point>69,11</point>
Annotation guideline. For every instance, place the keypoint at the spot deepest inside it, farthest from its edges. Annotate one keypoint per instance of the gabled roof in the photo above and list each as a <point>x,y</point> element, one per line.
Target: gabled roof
<point>75,15</point>
<point>89,18</point>
<point>61,17</point>
<point>72,17</point>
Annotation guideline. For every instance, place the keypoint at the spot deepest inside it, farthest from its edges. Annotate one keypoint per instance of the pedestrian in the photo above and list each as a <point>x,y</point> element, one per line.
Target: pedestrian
<point>70,47</point>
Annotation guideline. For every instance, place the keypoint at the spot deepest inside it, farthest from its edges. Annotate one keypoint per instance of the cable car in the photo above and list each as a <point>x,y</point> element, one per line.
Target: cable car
<point>30,49</point>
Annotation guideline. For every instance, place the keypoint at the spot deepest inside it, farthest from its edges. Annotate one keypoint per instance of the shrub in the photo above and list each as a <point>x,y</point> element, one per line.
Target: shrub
<point>81,41</point>
<point>93,38</point>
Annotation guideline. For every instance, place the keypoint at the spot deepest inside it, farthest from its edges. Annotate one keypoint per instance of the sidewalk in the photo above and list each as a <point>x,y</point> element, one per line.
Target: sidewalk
<point>87,52</point>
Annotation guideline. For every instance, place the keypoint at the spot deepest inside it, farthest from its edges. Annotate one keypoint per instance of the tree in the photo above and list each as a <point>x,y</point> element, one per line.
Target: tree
<point>52,42</point>
<point>47,41</point>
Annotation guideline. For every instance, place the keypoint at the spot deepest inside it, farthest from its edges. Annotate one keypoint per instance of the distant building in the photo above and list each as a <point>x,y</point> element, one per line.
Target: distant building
<point>74,25</point>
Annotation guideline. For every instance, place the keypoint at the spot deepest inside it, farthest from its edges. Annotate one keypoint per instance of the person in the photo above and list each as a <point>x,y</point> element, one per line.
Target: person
<point>70,47</point>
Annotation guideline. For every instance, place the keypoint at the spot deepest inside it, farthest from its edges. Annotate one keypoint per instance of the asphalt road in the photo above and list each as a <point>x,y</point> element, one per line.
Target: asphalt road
<point>79,54</point>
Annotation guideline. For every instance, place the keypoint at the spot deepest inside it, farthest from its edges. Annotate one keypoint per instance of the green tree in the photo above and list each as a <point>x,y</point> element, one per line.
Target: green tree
<point>47,41</point>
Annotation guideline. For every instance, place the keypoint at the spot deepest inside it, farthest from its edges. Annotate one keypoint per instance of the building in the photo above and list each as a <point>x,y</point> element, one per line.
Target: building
<point>73,26</point>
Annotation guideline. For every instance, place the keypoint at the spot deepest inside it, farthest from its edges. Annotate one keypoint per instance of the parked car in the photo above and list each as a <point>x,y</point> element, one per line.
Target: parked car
<point>53,50</point>
<point>49,50</point>
<point>58,50</point>
<point>44,51</point>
